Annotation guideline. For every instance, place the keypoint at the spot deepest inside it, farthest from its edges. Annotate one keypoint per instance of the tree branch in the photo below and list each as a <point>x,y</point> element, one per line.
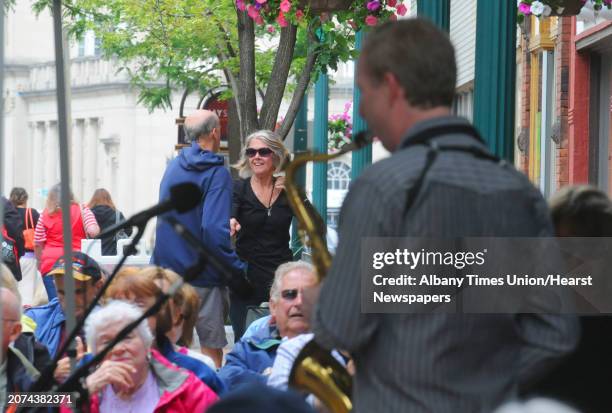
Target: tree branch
<point>300,89</point>
<point>278,77</point>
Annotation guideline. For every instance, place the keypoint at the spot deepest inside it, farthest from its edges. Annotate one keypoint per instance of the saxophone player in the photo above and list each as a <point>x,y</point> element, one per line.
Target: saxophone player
<point>430,362</point>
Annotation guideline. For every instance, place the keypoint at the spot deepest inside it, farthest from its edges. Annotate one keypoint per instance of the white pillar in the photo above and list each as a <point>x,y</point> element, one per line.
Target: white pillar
<point>48,156</point>
<point>38,166</point>
<point>77,158</point>
<point>91,153</point>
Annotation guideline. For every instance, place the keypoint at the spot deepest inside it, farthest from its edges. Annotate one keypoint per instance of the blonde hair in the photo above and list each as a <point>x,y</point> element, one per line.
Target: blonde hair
<point>272,141</point>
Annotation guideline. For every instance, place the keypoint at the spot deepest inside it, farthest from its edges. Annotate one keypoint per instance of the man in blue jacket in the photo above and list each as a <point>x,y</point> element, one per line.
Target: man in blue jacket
<point>201,165</point>
<point>251,359</point>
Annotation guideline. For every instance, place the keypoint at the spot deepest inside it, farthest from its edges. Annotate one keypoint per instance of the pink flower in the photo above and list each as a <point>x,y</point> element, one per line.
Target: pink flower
<point>373,5</point>
<point>371,21</point>
<point>261,1</point>
<point>393,17</point>
<point>240,5</point>
<point>525,9</point>
<point>285,6</point>
<point>347,106</point>
<point>259,20</point>
<point>281,20</point>
<point>252,12</point>
<point>401,9</point>
<point>299,14</point>
<point>271,29</point>
<point>391,3</point>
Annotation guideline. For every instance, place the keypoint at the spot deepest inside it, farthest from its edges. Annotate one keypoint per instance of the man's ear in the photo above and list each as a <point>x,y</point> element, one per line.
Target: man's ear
<point>273,306</point>
<point>15,331</point>
<point>396,91</point>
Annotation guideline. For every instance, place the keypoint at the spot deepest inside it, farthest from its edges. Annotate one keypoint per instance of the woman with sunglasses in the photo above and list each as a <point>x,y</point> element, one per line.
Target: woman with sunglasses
<point>260,219</point>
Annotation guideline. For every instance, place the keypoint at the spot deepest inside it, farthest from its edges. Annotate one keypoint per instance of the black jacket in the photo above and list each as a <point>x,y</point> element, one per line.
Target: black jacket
<point>107,217</point>
<point>14,228</point>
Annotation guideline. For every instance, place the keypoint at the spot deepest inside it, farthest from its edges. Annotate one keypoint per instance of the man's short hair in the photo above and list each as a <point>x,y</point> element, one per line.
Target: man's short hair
<point>283,270</point>
<point>419,55</point>
<point>581,211</point>
<point>193,131</point>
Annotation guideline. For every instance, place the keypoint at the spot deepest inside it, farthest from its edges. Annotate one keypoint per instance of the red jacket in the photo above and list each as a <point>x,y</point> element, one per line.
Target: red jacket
<point>190,395</point>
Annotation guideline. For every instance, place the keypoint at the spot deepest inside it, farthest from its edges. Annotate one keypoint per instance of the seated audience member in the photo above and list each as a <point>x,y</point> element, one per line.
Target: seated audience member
<point>16,372</point>
<point>258,398</point>
<point>142,290</point>
<point>182,331</point>
<point>26,343</point>
<point>50,320</point>
<point>583,378</point>
<point>133,377</point>
<point>251,359</point>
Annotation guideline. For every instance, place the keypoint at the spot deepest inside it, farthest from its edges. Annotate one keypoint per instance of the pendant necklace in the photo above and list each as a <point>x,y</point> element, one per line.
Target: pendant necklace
<point>269,209</point>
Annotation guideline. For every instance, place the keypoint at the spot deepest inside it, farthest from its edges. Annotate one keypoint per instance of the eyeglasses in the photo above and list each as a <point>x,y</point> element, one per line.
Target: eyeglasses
<point>289,295</point>
<point>264,152</point>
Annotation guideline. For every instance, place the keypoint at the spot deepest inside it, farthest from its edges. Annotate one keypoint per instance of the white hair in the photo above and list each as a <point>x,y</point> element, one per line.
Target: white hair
<point>116,311</point>
<point>536,405</point>
<point>283,270</point>
<point>7,280</point>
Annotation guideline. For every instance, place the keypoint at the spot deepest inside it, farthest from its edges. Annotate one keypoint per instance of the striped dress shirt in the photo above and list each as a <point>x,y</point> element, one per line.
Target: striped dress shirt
<point>437,362</point>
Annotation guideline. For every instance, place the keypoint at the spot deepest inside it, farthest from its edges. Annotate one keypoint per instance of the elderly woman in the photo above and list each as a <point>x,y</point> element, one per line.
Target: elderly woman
<point>133,377</point>
<point>142,288</point>
<point>49,236</point>
<point>260,219</point>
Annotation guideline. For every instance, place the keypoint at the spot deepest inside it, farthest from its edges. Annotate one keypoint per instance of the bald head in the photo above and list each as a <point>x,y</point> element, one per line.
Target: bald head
<point>201,125</point>
<point>11,308</point>
<point>11,318</point>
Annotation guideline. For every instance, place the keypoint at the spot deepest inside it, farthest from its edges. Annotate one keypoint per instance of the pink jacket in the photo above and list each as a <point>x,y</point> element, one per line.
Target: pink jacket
<point>190,395</point>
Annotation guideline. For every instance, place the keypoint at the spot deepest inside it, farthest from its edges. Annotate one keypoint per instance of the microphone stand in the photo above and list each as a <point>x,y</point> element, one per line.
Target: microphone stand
<point>76,381</point>
<point>46,378</point>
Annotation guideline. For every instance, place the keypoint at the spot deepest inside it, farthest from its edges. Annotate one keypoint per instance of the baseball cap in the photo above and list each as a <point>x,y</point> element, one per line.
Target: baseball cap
<point>84,268</point>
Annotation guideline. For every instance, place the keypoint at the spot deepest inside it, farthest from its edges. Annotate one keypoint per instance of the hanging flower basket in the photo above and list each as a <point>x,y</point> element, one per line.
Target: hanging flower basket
<point>325,6</point>
<point>545,8</point>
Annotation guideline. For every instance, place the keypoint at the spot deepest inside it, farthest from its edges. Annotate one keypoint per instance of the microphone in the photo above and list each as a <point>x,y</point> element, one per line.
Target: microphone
<point>183,197</point>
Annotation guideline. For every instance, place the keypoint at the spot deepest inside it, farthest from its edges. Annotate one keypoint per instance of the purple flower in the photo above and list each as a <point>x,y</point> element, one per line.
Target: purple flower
<point>525,9</point>
<point>373,5</point>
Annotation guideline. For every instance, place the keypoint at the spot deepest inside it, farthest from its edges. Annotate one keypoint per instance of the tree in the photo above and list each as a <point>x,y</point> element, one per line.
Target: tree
<point>251,45</point>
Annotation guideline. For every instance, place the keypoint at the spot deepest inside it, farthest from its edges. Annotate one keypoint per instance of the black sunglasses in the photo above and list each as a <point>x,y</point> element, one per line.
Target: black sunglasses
<point>289,295</point>
<point>265,152</point>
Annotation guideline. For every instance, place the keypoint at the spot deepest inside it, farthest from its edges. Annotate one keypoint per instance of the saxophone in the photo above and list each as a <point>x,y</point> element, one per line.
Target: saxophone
<point>315,370</point>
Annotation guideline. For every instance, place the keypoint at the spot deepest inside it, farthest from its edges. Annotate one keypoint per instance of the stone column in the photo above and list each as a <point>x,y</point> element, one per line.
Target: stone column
<point>38,166</point>
<point>90,155</point>
<point>77,158</point>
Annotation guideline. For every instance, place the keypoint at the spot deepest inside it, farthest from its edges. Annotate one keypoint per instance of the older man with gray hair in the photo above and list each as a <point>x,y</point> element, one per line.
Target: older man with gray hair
<point>200,164</point>
<point>252,357</point>
<point>17,373</point>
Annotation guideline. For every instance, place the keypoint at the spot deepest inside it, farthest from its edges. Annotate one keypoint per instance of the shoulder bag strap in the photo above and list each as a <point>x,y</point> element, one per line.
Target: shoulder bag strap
<point>29,221</point>
<point>426,138</point>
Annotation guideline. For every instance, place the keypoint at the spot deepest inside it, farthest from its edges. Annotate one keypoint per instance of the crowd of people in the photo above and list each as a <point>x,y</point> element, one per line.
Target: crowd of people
<point>440,181</point>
